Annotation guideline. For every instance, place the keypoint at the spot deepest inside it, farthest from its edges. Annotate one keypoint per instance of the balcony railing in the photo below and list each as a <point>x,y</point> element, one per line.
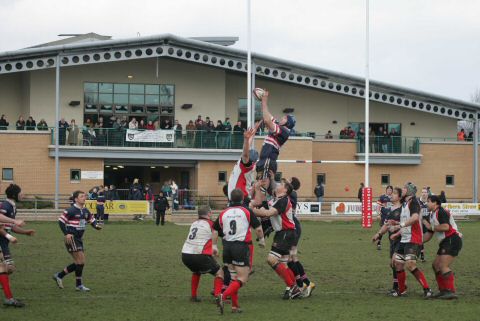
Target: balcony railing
<point>391,145</point>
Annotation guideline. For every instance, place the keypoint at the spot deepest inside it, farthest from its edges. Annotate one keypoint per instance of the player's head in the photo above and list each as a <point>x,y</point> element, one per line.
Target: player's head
<point>295,183</point>
<point>13,192</point>
<point>409,189</point>
<point>424,193</point>
<point>236,196</point>
<point>79,197</point>
<point>389,190</point>
<point>253,156</point>
<point>288,121</point>
<point>284,188</point>
<point>396,194</point>
<point>204,212</point>
<point>433,201</point>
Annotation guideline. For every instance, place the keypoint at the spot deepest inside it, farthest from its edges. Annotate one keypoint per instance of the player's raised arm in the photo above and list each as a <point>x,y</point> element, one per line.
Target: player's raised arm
<point>262,212</point>
<point>248,136</point>
<point>267,116</point>
<point>20,230</point>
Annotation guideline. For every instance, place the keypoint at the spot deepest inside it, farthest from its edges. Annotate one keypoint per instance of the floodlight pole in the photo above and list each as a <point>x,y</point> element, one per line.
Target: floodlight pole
<point>475,159</point>
<point>57,131</point>
<point>249,67</point>
<point>367,98</point>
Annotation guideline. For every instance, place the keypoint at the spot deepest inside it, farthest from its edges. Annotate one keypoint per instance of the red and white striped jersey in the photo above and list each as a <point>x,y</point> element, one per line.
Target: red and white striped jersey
<point>243,178</point>
<point>235,223</point>
<point>414,232</point>
<point>278,136</point>
<point>284,219</point>
<point>199,239</point>
<point>443,216</point>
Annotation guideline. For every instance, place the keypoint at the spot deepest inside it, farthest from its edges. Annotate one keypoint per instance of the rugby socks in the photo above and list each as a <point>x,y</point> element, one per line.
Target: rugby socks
<point>235,300</point>
<point>298,278</point>
<point>439,278</point>
<point>217,286</point>
<point>303,275</point>
<point>402,277</point>
<point>226,277</point>
<point>5,282</point>
<point>78,274</point>
<point>395,280</point>
<point>449,281</point>
<point>285,273</point>
<point>420,278</point>
<point>232,290</point>
<point>195,282</point>
<point>66,270</point>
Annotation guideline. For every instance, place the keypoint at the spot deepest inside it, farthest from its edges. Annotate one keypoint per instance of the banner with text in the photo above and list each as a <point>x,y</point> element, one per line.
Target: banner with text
<point>308,208</point>
<point>121,207</point>
<point>150,136</point>
<point>351,208</point>
<point>367,208</point>
<point>463,208</point>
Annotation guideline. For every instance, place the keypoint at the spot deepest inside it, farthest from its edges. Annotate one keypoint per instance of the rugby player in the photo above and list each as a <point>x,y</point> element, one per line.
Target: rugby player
<point>9,301</point>
<point>384,206</point>
<point>410,230</point>
<point>303,282</point>
<point>8,209</point>
<point>234,225</point>
<point>422,200</point>
<point>443,225</point>
<point>197,253</point>
<point>72,223</point>
<point>279,132</point>
<point>393,214</point>
<point>281,217</point>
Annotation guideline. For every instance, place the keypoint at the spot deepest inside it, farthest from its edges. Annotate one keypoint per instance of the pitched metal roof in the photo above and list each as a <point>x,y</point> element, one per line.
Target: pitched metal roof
<point>197,51</point>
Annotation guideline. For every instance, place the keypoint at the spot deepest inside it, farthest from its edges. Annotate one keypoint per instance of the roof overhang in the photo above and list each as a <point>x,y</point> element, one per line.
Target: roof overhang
<point>235,60</point>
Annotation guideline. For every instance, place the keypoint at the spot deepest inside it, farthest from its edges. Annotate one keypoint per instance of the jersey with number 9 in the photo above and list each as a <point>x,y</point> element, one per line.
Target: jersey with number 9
<point>235,223</point>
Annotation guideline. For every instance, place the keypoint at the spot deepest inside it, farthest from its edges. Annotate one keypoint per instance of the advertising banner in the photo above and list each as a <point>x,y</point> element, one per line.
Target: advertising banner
<point>367,208</point>
<point>351,208</point>
<point>309,208</point>
<point>463,208</point>
<point>91,174</point>
<point>121,207</point>
<point>150,136</point>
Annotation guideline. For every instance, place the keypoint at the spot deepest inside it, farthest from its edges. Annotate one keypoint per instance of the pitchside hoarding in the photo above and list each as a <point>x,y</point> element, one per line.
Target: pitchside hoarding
<point>308,208</point>
<point>355,208</point>
<point>121,207</point>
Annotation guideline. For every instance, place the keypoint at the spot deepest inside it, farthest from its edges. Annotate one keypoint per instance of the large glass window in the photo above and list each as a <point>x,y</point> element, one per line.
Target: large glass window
<point>242,110</point>
<point>151,100</point>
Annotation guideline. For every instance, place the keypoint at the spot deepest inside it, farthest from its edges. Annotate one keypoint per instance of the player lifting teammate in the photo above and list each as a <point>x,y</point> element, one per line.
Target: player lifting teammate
<point>443,225</point>
<point>72,223</point>
<point>197,253</point>
<point>410,230</point>
<point>281,217</point>
<point>234,225</point>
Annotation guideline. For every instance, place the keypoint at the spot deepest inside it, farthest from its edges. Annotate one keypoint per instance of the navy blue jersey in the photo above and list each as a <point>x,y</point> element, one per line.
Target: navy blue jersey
<point>10,211</point>
<point>101,198</point>
<point>74,220</point>
<point>394,214</point>
<point>278,136</point>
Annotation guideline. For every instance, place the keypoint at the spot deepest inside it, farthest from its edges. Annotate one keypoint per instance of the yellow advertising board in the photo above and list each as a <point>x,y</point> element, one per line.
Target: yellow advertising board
<point>121,207</point>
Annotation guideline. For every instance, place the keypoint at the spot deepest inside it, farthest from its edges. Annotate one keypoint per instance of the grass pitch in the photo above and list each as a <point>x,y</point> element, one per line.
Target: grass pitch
<point>135,273</point>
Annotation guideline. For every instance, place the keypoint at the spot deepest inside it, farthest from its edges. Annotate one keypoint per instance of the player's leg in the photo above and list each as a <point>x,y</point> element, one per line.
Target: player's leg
<point>448,251</point>
<point>157,217</point>
<point>79,259</point>
<point>162,214</point>
<point>192,263</point>
<point>71,248</point>
<point>240,263</point>
<point>392,266</point>
<point>411,255</point>
<point>5,283</point>
<point>399,262</point>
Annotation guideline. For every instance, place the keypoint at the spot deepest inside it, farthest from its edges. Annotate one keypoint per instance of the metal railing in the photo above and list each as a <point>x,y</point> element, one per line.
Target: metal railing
<point>391,145</point>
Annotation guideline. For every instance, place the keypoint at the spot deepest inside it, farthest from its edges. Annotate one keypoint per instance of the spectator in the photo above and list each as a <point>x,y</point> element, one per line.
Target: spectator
<point>470,137</point>
<point>319,192</point>
<point>133,124</point>
<point>360,192</point>
<point>237,139</point>
<point>228,130</point>
<point>20,124</point>
<point>148,193</point>
<point>167,189</point>
<point>220,135</point>
<point>199,122</point>
<point>461,135</point>
<point>93,193</point>
<point>62,131</point>
<point>329,135</point>
<point>150,125</point>
<point>72,133</point>
<point>166,124</point>
<point>350,133</point>
<point>344,133</point>
<point>100,131</point>
<point>142,125</point>
<point>4,123</point>
<point>88,123</point>
<point>30,124</point>
<point>361,140</point>
<point>124,121</point>
<point>395,141</point>
<point>174,188</point>
<point>113,193</point>
<point>373,142</point>
<point>161,205</point>
<point>156,124</point>
<point>190,133</point>
<point>117,132</point>
<point>178,131</point>
<point>135,193</point>
<point>42,125</point>
<point>442,197</point>
<point>385,140</point>
<point>227,125</point>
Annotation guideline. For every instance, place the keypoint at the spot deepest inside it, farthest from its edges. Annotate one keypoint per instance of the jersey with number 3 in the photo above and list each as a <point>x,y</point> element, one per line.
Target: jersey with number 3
<point>199,239</point>
<point>235,224</point>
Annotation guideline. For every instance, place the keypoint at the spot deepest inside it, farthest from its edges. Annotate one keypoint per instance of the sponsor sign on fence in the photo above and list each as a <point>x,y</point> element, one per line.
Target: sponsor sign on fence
<point>463,208</point>
<point>150,136</point>
<point>121,207</point>
<point>308,208</point>
<point>91,174</point>
<point>351,208</point>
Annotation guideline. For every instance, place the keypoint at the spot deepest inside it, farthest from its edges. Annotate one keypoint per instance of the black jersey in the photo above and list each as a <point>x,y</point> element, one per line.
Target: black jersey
<point>394,214</point>
<point>9,210</point>
<point>101,198</point>
<point>74,220</point>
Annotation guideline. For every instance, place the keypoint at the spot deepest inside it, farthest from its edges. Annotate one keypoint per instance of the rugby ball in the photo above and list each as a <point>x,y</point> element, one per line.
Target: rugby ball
<point>258,93</point>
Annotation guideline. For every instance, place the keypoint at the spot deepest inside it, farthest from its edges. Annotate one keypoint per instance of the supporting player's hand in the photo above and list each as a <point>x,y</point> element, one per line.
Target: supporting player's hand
<point>395,236</point>
<point>30,232</point>
<point>393,222</point>
<point>249,133</point>
<point>69,239</point>
<point>376,237</point>
<point>11,238</point>
<point>19,223</point>
<point>215,250</point>
<point>265,95</point>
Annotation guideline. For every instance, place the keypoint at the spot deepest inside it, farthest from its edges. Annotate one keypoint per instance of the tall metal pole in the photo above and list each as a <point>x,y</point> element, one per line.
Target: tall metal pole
<point>252,99</point>
<point>249,67</point>
<point>475,159</point>
<point>367,97</point>
<point>57,132</point>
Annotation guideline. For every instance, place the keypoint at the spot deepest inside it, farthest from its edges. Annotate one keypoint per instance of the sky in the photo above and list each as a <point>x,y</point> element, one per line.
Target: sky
<point>428,45</point>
